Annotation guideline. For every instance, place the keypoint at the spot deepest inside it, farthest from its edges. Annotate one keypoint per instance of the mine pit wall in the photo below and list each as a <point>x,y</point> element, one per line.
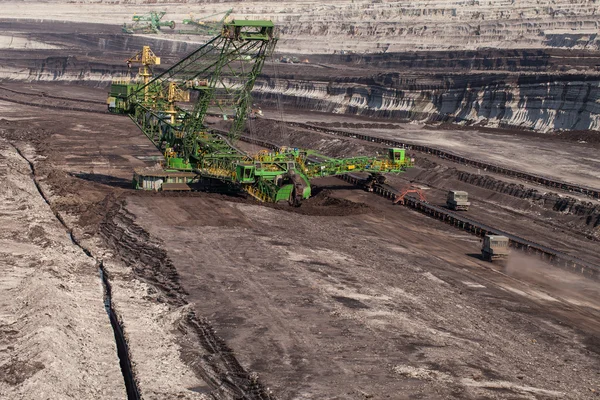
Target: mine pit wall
<point>540,103</point>
<point>535,89</point>
<point>79,58</point>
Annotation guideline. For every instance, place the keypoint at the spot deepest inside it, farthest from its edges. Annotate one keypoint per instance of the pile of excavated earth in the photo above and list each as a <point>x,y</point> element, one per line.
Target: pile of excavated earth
<point>112,293</point>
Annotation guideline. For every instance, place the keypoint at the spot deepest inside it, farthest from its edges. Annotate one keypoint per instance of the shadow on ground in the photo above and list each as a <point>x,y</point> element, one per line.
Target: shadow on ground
<point>105,180</point>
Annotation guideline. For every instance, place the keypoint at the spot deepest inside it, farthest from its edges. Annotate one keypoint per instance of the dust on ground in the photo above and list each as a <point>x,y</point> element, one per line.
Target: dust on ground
<point>558,283</point>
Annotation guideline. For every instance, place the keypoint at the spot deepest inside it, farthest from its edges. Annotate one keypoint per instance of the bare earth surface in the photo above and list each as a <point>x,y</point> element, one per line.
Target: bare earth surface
<point>55,335</point>
<point>345,297</point>
<point>344,307</point>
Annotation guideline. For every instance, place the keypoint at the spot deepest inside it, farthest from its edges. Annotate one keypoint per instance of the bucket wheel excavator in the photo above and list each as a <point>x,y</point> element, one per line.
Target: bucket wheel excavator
<point>170,109</point>
<point>203,26</point>
<point>148,23</point>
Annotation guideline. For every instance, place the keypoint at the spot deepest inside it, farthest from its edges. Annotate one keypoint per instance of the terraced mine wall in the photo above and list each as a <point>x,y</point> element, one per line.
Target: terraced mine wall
<point>371,26</point>
<point>543,89</point>
<point>544,102</point>
<point>540,102</point>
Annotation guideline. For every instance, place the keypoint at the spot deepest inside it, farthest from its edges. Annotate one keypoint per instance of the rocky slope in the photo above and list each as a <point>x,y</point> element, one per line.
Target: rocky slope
<point>368,26</point>
<point>508,64</point>
<point>541,102</point>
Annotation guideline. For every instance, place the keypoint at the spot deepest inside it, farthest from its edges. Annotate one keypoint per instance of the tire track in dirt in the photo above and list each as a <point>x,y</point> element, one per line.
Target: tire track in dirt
<point>217,365</point>
<point>129,378</point>
<point>44,95</point>
<point>50,106</point>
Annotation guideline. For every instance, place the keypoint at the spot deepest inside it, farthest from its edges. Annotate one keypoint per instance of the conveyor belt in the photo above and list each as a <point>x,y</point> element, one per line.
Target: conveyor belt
<point>541,180</point>
<point>548,254</point>
<point>553,256</point>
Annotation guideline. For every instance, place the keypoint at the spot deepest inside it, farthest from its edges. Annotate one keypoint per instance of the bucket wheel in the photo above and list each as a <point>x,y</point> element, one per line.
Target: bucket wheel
<point>299,186</point>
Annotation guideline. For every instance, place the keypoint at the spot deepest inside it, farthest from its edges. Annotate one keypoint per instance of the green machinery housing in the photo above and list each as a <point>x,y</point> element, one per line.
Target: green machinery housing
<point>148,23</point>
<point>203,25</point>
<point>170,109</point>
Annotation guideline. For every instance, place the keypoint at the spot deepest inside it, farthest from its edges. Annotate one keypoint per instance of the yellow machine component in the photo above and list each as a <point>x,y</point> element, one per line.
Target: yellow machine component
<point>169,153</point>
<point>175,94</point>
<point>258,194</point>
<point>219,172</point>
<point>384,165</point>
<point>147,59</point>
<point>262,155</point>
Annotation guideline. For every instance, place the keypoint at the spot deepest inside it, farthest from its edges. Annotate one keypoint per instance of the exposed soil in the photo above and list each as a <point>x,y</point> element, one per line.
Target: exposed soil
<point>357,125</point>
<point>220,297</point>
<point>273,296</point>
<point>588,137</point>
<point>55,334</point>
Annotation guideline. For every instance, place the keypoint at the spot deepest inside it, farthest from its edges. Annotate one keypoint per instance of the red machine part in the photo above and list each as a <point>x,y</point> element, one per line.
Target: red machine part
<point>409,189</point>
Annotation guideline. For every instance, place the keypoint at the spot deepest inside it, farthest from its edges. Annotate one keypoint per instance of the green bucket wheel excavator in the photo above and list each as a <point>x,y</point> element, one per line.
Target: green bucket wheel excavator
<point>148,23</point>
<point>170,109</point>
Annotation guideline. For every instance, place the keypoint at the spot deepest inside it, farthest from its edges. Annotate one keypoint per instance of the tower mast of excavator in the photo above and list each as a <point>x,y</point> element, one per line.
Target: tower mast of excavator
<point>147,59</point>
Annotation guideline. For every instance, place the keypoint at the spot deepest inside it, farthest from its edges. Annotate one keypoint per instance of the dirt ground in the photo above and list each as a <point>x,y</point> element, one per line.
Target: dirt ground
<point>219,297</point>
<point>55,335</point>
<point>360,305</point>
<point>345,297</point>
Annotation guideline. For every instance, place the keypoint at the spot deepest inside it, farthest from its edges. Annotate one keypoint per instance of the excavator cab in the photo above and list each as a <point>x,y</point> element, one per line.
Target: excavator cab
<point>245,173</point>
<point>397,155</point>
<point>249,30</point>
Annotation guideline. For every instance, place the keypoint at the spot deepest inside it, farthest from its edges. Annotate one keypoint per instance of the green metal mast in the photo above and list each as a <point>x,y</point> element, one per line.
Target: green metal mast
<point>204,27</point>
<point>221,75</point>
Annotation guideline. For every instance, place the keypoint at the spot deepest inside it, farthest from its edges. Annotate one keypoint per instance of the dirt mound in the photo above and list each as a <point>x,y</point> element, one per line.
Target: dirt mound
<point>325,204</point>
<point>322,203</point>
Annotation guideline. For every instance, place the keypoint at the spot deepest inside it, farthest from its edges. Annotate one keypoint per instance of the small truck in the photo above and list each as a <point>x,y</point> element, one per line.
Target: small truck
<point>495,248</point>
<point>458,200</point>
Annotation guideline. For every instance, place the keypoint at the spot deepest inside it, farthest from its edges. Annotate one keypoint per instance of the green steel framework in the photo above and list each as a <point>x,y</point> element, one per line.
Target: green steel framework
<point>148,23</point>
<point>221,74</point>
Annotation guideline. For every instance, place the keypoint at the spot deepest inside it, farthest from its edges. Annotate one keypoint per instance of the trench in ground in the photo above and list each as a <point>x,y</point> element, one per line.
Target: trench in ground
<point>120,340</point>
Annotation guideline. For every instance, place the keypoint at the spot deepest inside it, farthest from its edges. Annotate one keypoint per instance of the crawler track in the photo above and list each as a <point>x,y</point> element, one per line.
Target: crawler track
<point>541,180</point>
<point>477,228</point>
